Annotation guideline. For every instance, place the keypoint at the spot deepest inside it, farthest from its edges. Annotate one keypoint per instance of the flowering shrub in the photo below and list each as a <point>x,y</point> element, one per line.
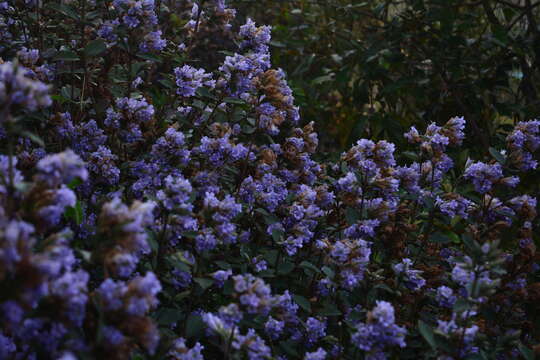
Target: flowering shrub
<point>161,199</point>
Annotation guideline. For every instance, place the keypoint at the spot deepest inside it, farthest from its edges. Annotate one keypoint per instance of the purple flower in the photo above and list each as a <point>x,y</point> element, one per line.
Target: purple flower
<point>61,168</point>
<point>17,88</point>
<point>141,295</point>
<point>455,206</point>
<point>7,346</point>
<point>136,12</point>
<point>320,354</point>
<point>274,328</point>
<point>269,191</point>
<point>28,57</point>
<point>180,351</point>
<point>126,228</point>
<point>189,79</point>
<point>221,276</point>
<point>380,331</point>
<point>107,30</point>
<point>483,176</point>
<point>153,42</point>
<point>252,345</point>
<point>102,164</point>
<point>113,336</point>
<point>255,37</point>
<point>445,296</point>
<point>181,279</point>
<point>411,277</point>
<point>72,288</point>
<point>205,241</point>
<point>315,329</point>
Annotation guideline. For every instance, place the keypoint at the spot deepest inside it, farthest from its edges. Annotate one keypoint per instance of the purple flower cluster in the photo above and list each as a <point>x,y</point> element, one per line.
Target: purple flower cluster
<point>189,79</point>
<point>18,88</point>
<point>484,176</point>
<point>136,209</point>
<point>136,12</point>
<point>379,332</point>
<point>132,300</point>
<point>125,228</point>
<point>352,258</point>
<point>522,142</point>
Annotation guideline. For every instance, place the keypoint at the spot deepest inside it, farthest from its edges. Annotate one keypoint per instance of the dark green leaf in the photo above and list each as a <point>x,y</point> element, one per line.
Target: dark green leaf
<point>204,283</point>
<point>330,309</point>
<point>35,138</point>
<point>527,353</point>
<point>497,155</point>
<point>231,100</point>
<point>427,333</point>
<point>66,55</point>
<point>439,238</point>
<point>95,47</point>
<point>74,213</point>
<point>328,272</point>
<point>194,326</point>
<point>168,316</point>
<point>285,267</point>
<point>64,9</point>
<point>352,215</point>
<point>302,302</point>
<point>310,266</point>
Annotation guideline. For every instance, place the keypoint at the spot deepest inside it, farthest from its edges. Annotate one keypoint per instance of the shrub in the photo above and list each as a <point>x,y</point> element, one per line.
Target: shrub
<point>160,198</point>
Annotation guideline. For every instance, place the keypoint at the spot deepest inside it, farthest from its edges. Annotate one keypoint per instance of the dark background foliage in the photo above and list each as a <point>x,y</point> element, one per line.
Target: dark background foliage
<point>373,68</point>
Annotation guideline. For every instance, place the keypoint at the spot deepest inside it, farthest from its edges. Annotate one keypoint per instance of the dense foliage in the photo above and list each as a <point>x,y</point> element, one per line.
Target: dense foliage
<point>161,198</point>
<point>373,68</point>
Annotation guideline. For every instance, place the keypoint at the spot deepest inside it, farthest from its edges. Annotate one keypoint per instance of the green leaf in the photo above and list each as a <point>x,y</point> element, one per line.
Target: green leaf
<point>328,272</point>
<point>64,9</point>
<point>322,79</point>
<point>277,234</point>
<point>150,57</point>
<point>289,348</point>
<point>427,333</point>
<point>310,266</point>
<point>223,264</point>
<point>204,282</point>
<point>66,93</point>
<point>194,326</point>
<point>182,295</point>
<point>330,309</point>
<point>74,183</point>
<point>168,316</point>
<point>35,138</point>
<point>497,155</point>
<point>74,213</point>
<point>152,241</point>
<point>66,55</point>
<point>302,302</point>
<point>59,98</point>
<point>461,305</point>
<point>527,353</point>
<point>230,100</point>
<point>285,268</point>
<point>410,155</point>
<point>351,215</point>
<point>270,256</point>
<point>205,92</point>
<point>439,238</point>
<point>95,47</point>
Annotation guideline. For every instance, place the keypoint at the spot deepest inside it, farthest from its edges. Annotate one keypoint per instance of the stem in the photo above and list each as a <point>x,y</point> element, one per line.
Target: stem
<point>161,244</point>
<point>229,343</point>
<point>83,55</point>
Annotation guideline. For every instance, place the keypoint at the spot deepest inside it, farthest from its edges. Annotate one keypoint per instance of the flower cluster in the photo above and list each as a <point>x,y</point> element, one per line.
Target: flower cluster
<point>160,198</point>
<point>379,332</point>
